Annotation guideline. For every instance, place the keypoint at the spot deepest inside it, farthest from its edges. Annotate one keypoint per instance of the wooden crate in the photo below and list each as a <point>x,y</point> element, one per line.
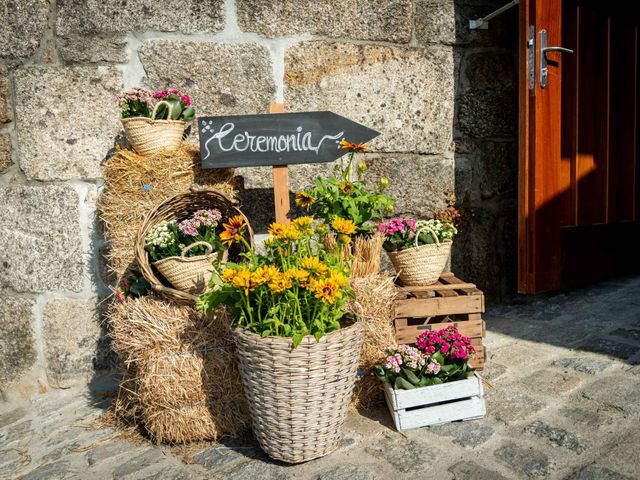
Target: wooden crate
<point>436,404</point>
<point>450,301</point>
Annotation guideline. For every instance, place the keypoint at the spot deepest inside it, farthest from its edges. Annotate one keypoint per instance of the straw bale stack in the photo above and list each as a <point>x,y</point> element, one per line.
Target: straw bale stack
<point>183,371</point>
<point>374,305</point>
<point>135,184</point>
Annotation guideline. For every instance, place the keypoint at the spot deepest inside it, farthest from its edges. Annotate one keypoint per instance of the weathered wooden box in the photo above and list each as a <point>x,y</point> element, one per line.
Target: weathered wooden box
<point>436,404</point>
<point>449,301</point>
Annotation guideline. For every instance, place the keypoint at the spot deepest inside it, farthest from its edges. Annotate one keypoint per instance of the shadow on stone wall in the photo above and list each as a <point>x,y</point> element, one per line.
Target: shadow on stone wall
<point>486,149</point>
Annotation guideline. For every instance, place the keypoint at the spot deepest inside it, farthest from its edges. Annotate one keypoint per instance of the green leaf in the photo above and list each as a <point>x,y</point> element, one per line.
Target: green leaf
<point>188,114</point>
<point>297,338</point>
<point>402,384</point>
<point>438,358</point>
<point>411,376</point>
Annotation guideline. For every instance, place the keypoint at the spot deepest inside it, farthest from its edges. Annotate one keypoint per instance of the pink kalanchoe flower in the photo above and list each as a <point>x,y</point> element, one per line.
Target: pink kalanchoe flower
<point>433,368</point>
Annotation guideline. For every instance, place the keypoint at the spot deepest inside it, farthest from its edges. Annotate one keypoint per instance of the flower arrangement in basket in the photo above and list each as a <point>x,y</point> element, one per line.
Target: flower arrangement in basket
<point>154,120</point>
<point>184,252</point>
<point>440,384</point>
<point>298,349</point>
<point>419,249</point>
<point>350,196</point>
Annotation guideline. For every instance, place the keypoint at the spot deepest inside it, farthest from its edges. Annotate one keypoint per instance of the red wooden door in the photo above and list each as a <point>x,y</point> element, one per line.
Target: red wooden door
<point>579,204</point>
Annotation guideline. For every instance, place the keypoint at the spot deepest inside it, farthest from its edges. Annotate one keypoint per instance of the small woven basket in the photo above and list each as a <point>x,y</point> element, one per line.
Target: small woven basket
<point>190,274</point>
<point>421,265</point>
<point>299,399</point>
<point>177,208</point>
<point>147,135</point>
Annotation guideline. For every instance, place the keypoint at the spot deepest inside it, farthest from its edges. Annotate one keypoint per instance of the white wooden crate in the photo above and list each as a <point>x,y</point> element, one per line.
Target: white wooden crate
<point>436,404</point>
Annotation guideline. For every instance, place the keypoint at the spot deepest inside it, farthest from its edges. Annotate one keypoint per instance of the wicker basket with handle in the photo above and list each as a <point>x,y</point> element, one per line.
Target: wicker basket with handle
<point>190,274</point>
<point>177,208</point>
<point>421,265</point>
<point>148,135</point>
<point>299,398</point>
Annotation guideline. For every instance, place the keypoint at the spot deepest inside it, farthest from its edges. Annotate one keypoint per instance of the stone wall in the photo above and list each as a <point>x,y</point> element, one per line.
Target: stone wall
<point>442,96</point>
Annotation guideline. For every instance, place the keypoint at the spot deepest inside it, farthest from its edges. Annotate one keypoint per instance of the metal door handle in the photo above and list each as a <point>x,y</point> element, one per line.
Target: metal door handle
<point>556,49</point>
<point>544,69</point>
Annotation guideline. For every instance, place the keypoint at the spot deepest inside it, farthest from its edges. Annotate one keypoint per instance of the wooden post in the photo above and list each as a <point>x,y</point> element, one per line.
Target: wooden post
<point>280,181</point>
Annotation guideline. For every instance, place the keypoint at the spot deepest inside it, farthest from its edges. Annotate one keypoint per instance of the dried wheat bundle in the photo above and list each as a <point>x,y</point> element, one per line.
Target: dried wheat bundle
<point>375,295</point>
<point>187,384</point>
<point>135,184</point>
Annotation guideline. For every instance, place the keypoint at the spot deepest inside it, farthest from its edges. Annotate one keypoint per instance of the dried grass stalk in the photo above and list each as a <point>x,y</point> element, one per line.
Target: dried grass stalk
<point>187,384</point>
<point>367,253</point>
<point>374,305</point>
<point>135,184</point>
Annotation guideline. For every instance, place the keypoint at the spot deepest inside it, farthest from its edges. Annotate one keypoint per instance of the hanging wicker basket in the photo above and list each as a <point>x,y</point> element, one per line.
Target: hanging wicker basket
<point>178,208</point>
<point>147,135</point>
<point>299,399</point>
<point>190,274</point>
<point>421,265</point>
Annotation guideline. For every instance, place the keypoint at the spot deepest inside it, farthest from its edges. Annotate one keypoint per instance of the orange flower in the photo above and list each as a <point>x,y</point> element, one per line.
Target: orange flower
<point>353,147</point>
<point>327,290</point>
<point>233,230</point>
<point>304,199</point>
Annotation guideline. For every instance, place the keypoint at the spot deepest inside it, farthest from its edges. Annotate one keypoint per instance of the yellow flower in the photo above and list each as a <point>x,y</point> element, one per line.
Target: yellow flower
<point>346,187</point>
<point>261,276</point>
<point>344,239</point>
<point>277,229</point>
<point>299,275</point>
<point>321,229</point>
<point>340,278</point>
<point>280,283</point>
<point>327,290</point>
<point>304,199</point>
<point>313,265</point>
<point>303,225</point>
<point>233,230</point>
<point>353,147</point>
<point>344,226</point>
<point>228,274</point>
<point>292,234</point>
<point>242,279</point>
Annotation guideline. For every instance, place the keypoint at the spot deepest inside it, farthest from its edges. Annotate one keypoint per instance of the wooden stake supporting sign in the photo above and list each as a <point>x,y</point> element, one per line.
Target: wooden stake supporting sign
<point>277,139</point>
<point>281,181</point>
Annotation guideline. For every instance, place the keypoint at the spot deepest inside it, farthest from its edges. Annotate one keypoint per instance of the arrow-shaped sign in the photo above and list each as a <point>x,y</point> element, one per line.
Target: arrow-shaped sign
<point>283,139</point>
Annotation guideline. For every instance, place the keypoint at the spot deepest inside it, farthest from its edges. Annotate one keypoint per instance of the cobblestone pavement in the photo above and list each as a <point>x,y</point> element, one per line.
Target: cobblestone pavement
<point>565,404</point>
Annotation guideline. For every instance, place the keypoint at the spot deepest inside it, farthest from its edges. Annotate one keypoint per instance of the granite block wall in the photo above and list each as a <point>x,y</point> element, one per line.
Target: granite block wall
<point>443,97</point>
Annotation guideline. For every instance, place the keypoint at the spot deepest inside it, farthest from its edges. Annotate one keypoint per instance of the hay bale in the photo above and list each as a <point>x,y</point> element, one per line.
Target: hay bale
<point>374,305</point>
<point>187,384</point>
<point>135,184</point>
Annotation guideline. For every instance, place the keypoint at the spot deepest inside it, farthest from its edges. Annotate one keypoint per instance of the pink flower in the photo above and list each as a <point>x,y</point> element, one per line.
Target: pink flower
<point>433,368</point>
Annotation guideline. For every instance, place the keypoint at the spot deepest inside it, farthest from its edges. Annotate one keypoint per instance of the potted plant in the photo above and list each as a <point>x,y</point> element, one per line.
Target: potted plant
<point>184,252</point>
<point>432,383</point>
<point>154,120</point>
<point>419,249</point>
<point>298,349</point>
<point>348,195</point>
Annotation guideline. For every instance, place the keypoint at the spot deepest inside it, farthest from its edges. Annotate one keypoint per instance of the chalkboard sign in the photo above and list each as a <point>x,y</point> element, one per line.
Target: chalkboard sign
<point>280,139</point>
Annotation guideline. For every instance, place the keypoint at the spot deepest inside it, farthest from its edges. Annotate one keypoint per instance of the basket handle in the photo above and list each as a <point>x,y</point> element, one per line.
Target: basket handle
<point>430,230</point>
<point>197,244</point>
<point>155,109</point>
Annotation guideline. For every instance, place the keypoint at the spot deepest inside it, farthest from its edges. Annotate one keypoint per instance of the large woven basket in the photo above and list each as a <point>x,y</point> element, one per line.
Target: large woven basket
<point>148,135</point>
<point>421,265</point>
<point>299,399</point>
<point>190,274</point>
<point>177,208</point>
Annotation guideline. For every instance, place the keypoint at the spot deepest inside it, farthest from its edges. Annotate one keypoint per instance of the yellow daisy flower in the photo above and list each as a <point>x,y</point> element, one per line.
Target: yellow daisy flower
<point>341,279</point>
<point>346,187</point>
<point>303,225</point>
<point>304,199</point>
<point>228,274</point>
<point>280,283</point>
<point>299,275</point>
<point>327,290</point>
<point>260,276</point>
<point>277,229</point>
<point>313,265</point>
<point>344,226</point>
<point>242,279</point>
